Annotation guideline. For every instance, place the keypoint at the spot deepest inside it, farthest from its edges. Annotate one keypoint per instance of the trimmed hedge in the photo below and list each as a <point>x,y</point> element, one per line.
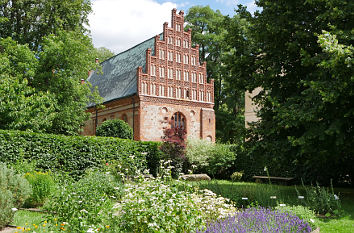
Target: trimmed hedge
<point>74,154</point>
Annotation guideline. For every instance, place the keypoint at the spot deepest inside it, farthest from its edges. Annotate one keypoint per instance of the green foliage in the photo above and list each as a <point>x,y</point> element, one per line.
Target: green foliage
<point>322,200</point>
<point>73,154</point>
<point>115,128</point>
<point>6,205</point>
<point>236,176</point>
<point>18,186</point>
<point>164,205</point>
<point>307,79</point>
<point>103,54</point>
<point>215,159</point>
<point>43,186</point>
<point>85,203</point>
<point>211,30</point>
<point>302,212</point>
<point>22,107</point>
<point>28,21</point>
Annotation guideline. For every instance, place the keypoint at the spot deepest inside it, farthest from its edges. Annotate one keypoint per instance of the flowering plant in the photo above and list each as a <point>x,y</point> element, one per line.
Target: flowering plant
<point>259,220</point>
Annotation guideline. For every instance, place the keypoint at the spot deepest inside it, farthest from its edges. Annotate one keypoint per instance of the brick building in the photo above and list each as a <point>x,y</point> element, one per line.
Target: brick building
<point>156,84</point>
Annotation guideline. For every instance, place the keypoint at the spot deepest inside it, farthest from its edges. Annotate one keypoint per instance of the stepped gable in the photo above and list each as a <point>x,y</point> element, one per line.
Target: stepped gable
<point>118,77</point>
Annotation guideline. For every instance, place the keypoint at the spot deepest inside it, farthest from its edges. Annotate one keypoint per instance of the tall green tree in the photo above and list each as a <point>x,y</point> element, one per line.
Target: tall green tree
<point>209,30</point>
<point>29,21</point>
<point>306,126</point>
<point>21,106</point>
<point>103,53</point>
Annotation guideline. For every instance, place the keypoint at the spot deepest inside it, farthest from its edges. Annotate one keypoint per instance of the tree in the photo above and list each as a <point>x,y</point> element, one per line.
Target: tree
<point>103,53</point>
<point>29,21</point>
<point>115,128</point>
<point>306,115</point>
<point>64,62</point>
<point>21,106</point>
<point>209,30</point>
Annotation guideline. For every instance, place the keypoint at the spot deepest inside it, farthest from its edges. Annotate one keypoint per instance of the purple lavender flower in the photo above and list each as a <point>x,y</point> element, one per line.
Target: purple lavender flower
<point>261,220</point>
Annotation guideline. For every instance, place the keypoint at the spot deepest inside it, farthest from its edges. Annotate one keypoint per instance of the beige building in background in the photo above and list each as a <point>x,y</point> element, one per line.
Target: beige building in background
<point>250,107</point>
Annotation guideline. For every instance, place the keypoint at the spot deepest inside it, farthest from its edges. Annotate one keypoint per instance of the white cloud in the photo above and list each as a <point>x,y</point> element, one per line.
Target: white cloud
<point>120,24</point>
<point>252,7</point>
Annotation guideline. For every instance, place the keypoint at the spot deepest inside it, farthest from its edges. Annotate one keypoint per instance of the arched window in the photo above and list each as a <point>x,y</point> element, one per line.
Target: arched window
<point>178,120</point>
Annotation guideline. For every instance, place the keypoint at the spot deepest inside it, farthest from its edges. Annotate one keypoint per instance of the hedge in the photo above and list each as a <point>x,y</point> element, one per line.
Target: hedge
<point>74,154</point>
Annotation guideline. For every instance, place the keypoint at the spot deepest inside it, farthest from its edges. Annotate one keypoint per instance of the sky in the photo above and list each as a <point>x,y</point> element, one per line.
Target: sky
<point>120,24</point>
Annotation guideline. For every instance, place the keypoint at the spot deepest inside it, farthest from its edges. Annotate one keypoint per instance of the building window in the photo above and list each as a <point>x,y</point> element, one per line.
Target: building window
<point>169,40</point>
<point>162,72</point>
<point>201,95</point>
<point>194,94</point>
<point>162,54</point>
<point>178,42</point>
<point>201,78</point>
<point>185,44</point>
<point>153,89</point>
<point>161,90</point>
<point>186,93</point>
<point>193,60</point>
<point>178,57</point>
<point>178,74</point>
<point>170,91</point>
<point>186,76</point>
<point>170,73</point>
<point>153,70</point>
<point>170,56</point>
<point>178,120</point>
<point>178,27</point>
<point>194,77</point>
<point>208,97</point>
<point>185,59</point>
<point>178,93</point>
<point>144,88</point>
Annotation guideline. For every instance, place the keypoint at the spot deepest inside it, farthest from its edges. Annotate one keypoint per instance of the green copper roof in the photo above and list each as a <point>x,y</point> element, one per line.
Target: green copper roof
<point>118,78</point>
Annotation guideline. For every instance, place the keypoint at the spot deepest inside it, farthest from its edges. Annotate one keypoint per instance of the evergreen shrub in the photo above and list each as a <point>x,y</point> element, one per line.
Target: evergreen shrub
<point>115,128</point>
<point>215,159</point>
<point>74,154</point>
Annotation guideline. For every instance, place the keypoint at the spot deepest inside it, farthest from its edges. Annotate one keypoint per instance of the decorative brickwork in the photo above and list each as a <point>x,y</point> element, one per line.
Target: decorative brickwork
<point>172,81</point>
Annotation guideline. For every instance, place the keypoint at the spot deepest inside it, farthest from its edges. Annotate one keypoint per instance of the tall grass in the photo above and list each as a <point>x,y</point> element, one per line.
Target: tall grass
<point>252,194</point>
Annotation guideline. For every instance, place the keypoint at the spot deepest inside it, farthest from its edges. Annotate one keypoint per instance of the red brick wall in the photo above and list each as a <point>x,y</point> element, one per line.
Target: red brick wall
<point>161,92</point>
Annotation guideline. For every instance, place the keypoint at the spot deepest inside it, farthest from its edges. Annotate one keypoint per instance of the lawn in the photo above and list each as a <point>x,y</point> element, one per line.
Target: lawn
<point>261,194</point>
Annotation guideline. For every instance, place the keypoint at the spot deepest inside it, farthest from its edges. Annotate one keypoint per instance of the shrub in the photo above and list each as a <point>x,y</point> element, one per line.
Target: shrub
<point>174,149</point>
<point>302,212</point>
<point>321,199</point>
<point>236,176</point>
<point>73,154</point>
<point>42,186</point>
<point>164,205</point>
<point>212,158</point>
<point>85,203</point>
<point>18,186</point>
<point>115,128</point>
<point>259,220</point>
<point>6,205</point>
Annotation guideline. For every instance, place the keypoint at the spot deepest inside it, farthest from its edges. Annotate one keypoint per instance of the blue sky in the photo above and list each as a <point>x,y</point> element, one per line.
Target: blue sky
<point>120,24</point>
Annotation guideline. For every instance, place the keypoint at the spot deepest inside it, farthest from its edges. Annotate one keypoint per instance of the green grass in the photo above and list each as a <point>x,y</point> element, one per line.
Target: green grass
<point>260,194</point>
<point>28,218</point>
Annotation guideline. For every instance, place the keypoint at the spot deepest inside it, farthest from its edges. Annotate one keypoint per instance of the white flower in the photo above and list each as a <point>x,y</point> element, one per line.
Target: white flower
<point>312,220</point>
<point>336,197</point>
<point>282,205</point>
<point>245,198</point>
<point>90,230</point>
<point>273,197</point>
<point>14,209</point>
<point>301,197</point>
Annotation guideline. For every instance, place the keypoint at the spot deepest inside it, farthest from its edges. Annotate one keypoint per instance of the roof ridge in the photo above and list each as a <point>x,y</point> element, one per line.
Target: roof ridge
<point>130,48</point>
